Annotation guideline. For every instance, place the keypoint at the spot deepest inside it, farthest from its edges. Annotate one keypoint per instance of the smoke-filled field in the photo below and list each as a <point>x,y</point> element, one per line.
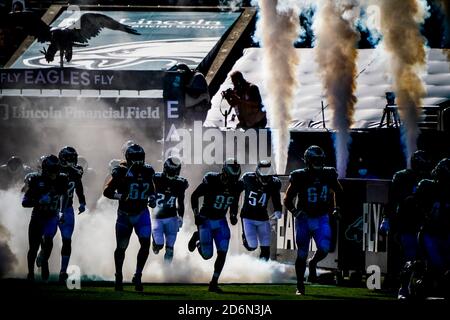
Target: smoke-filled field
<point>101,290</point>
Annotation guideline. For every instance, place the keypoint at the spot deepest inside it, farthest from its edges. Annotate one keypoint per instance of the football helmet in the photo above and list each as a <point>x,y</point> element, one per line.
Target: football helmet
<point>50,166</point>
<point>264,171</point>
<point>135,155</point>
<point>231,170</point>
<point>68,156</point>
<point>314,157</point>
<point>172,167</point>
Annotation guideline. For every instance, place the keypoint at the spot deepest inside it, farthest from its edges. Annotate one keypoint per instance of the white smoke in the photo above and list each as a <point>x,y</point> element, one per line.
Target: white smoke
<point>279,27</point>
<point>400,26</point>
<point>232,5</point>
<point>93,245</point>
<point>337,53</point>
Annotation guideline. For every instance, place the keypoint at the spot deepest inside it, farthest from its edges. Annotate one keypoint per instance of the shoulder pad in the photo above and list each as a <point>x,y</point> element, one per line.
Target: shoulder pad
<point>401,174</point>
<point>296,173</point>
<point>210,176</point>
<point>119,171</point>
<point>425,184</point>
<point>158,174</point>
<point>30,177</point>
<point>149,168</point>
<point>183,182</point>
<point>331,171</point>
<point>276,181</point>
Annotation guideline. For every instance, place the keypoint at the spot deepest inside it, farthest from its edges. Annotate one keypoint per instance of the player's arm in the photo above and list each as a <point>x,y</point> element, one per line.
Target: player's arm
<point>200,191</point>
<point>234,207</point>
<point>30,198</point>
<point>112,186</point>
<point>180,200</point>
<point>276,199</point>
<point>291,194</point>
<point>79,190</point>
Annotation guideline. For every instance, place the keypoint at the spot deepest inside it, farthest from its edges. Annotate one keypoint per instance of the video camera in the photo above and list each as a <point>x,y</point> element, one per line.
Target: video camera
<point>227,93</point>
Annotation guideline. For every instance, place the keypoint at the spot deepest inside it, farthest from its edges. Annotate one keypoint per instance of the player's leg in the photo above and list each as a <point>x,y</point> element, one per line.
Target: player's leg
<point>66,227</point>
<point>142,227</point>
<point>221,235</point>
<point>205,244</point>
<point>170,232</point>
<point>157,235</point>
<point>409,245</point>
<point>35,232</point>
<point>249,234</point>
<point>302,239</point>
<point>263,232</point>
<point>50,228</point>
<point>321,232</point>
<point>123,234</point>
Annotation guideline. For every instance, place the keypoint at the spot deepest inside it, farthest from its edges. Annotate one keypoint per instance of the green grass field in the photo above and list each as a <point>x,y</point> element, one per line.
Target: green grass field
<point>105,291</point>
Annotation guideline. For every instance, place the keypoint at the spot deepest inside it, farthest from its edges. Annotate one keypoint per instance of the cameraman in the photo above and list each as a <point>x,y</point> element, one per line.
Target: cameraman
<point>246,100</point>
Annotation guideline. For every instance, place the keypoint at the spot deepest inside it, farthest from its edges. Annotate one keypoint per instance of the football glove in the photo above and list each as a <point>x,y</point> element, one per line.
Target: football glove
<point>337,213</point>
<point>276,215</point>
<point>152,201</point>
<point>233,219</point>
<point>45,199</point>
<point>180,222</point>
<point>384,227</point>
<point>82,208</point>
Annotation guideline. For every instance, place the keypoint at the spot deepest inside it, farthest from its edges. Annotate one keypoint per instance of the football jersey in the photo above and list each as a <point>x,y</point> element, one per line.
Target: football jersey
<point>434,202</point>
<point>135,183</point>
<point>314,190</point>
<point>218,196</point>
<point>37,186</point>
<point>74,175</point>
<point>168,192</point>
<point>257,196</point>
<point>402,202</point>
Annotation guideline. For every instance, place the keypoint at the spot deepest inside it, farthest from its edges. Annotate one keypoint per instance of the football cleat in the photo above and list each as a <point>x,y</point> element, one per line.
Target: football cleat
<point>300,290</point>
<point>30,277</point>
<point>214,287</point>
<point>63,277</point>
<point>193,242</point>
<point>155,248</point>
<point>137,283</point>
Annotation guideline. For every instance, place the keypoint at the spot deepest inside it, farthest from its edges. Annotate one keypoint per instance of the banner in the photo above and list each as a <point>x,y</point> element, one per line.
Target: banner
<point>166,38</point>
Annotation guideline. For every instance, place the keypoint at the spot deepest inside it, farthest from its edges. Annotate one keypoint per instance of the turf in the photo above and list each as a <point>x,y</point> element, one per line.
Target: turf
<point>105,291</point>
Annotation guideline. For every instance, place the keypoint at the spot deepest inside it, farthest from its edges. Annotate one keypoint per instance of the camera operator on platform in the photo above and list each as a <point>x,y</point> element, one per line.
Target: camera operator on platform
<point>246,101</point>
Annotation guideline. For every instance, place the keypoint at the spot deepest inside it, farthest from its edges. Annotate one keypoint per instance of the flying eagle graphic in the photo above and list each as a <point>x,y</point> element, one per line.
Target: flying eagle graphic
<point>63,39</point>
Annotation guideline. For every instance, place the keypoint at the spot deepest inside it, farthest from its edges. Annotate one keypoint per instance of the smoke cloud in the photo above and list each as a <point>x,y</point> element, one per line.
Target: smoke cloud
<point>336,52</point>
<point>400,27</point>
<point>94,240</point>
<point>279,29</point>
<point>7,257</point>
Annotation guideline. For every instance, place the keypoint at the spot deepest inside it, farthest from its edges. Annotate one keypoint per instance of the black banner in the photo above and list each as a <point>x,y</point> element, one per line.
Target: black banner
<point>80,79</point>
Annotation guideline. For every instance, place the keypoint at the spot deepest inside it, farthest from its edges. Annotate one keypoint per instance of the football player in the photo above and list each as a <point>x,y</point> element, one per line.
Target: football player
<point>131,183</point>
<point>169,211</point>
<point>434,201</point>
<point>44,192</point>
<point>404,213</point>
<point>259,186</point>
<point>316,188</point>
<point>220,192</point>
<point>68,158</point>
<point>13,172</point>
